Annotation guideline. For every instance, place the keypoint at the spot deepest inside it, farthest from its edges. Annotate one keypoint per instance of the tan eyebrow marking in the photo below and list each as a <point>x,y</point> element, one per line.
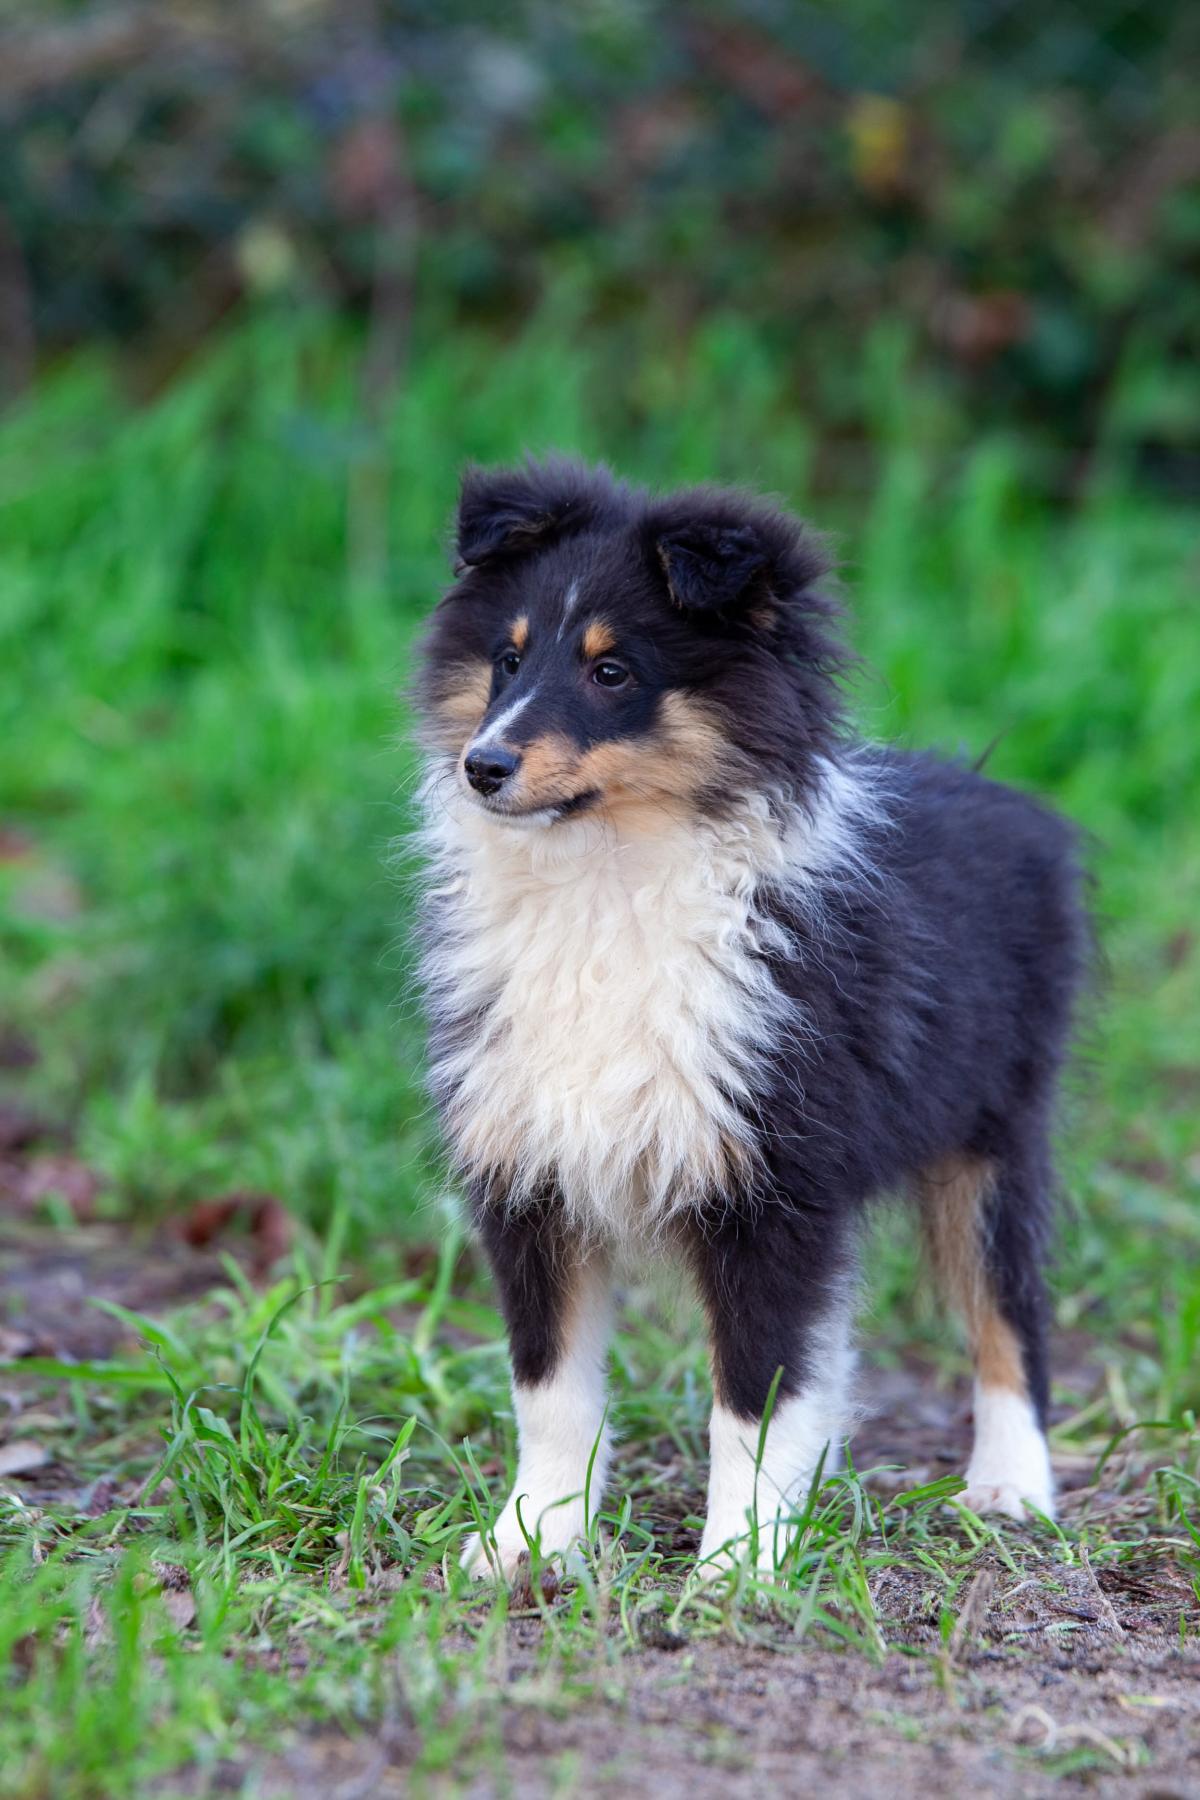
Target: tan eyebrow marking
<point>598,639</point>
<point>520,632</point>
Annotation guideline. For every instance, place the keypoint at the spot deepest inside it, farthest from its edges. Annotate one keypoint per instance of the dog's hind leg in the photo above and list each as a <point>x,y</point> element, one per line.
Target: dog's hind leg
<point>985,1227</point>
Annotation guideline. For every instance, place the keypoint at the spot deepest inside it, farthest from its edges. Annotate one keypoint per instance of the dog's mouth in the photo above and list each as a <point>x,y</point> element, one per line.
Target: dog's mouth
<point>546,812</point>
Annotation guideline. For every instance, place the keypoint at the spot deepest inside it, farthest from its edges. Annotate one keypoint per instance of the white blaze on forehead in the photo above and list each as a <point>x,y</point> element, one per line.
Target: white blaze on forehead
<point>500,724</point>
<point>570,602</point>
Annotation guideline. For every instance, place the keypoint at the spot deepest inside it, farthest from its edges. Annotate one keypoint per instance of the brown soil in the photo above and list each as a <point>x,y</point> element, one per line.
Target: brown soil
<point>721,1722</point>
<point>48,1280</point>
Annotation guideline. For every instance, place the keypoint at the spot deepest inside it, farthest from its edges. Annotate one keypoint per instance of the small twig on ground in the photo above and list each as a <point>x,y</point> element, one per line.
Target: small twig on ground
<point>1058,1736</point>
<point>1107,1610</point>
<point>974,1612</point>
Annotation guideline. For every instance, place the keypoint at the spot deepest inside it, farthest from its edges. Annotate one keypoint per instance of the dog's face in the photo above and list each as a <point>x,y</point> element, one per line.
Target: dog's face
<point>572,685</point>
<point>604,651</point>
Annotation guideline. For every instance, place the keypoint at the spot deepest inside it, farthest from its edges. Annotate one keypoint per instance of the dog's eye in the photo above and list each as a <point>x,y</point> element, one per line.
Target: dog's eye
<point>509,663</point>
<point>610,675</point>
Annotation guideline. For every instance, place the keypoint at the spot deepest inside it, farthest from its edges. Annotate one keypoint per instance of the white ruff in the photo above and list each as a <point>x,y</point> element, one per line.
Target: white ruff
<point>620,1004</point>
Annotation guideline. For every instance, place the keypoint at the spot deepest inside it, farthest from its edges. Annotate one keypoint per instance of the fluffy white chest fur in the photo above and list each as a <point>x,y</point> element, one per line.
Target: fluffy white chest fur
<point>606,996</point>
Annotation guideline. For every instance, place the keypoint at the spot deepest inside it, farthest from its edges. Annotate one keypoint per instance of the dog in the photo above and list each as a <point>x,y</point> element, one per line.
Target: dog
<point>705,974</point>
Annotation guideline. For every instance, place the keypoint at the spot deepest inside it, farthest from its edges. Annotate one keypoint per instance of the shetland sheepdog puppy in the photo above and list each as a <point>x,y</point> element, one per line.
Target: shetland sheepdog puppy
<point>705,974</point>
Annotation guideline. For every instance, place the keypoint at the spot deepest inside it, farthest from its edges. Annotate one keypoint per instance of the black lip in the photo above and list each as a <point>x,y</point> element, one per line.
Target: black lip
<point>579,804</point>
<point>563,809</point>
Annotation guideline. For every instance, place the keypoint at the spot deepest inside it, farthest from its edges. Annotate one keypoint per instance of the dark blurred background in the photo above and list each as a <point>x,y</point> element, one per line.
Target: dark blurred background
<point>1012,187</point>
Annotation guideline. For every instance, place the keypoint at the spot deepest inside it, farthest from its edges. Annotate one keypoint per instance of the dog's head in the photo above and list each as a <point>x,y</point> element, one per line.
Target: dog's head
<point>603,649</point>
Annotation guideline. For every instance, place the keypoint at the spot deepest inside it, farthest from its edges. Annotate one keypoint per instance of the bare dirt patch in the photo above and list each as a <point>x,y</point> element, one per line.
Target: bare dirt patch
<point>1075,1713</point>
<point>50,1279</point>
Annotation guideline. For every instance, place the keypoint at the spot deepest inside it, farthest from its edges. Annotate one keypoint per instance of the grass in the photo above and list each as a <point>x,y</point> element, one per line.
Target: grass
<point>207,604</point>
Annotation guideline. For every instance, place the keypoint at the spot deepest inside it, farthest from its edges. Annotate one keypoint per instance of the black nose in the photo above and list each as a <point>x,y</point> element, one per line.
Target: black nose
<point>489,769</point>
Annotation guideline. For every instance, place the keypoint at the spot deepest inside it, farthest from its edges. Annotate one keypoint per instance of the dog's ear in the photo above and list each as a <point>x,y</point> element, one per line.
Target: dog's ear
<point>712,566</point>
<point>725,554</point>
<point>509,512</point>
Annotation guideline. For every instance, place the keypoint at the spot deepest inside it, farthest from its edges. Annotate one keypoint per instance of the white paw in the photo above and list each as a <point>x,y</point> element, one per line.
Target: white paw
<point>725,1549</point>
<point>712,1564</point>
<point>556,1531</point>
<point>1009,1470</point>
<point>984,1496</point>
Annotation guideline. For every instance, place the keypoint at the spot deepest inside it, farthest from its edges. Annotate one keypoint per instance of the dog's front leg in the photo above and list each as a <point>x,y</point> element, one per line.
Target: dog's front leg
<point>557,1304</point>
<point>777,1289</point>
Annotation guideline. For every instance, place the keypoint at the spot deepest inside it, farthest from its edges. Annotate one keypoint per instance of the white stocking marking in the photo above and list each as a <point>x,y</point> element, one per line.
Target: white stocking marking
<point>560,1422</point>
<point>802,1426</point>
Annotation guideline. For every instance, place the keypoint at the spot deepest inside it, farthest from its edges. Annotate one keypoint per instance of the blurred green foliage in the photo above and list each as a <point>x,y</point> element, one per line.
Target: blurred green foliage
<point>210,607</point>
<point>1018,184</point>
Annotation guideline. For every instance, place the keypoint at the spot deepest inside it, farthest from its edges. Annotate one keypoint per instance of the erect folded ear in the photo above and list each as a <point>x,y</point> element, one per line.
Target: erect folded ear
<point>724,552</point>
<point>509,512</point>
<point>711,567</point>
